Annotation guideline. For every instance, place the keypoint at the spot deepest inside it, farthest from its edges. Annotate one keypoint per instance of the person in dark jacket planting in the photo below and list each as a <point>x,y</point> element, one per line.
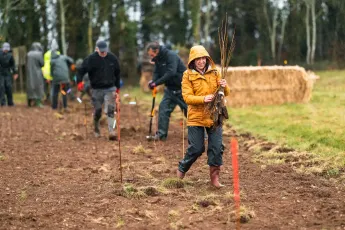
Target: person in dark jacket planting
<point>168,70</point>
<point>59,70</point>
<point>104,73</point>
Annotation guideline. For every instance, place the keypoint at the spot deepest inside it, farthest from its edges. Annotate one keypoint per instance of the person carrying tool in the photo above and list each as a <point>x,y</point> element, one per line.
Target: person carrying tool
<point>104,73</point>
<point>7,69</point>
<point>59,70</point>
<point>168,70</point>
<point>199,84</point>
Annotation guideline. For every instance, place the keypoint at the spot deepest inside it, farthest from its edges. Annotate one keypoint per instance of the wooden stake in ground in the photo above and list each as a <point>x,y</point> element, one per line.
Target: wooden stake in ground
<point>85,113</point>
<point>236,180</point>
<point>119,132</point>
<point>183,133</point>
<point>10,126</point>
<point>137,108</point>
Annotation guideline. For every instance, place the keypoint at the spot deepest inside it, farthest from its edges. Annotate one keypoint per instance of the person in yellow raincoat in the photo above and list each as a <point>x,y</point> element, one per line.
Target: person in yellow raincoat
<point>46,69</point>
<point>199,83</point>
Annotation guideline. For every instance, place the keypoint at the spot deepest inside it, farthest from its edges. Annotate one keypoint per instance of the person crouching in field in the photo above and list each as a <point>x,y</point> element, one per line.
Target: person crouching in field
<point>59,70</point>
<point>199,83</point>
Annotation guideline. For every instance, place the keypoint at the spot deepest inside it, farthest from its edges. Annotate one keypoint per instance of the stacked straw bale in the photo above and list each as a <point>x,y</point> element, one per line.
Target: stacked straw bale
<point>269,85</point>
<point>146,72</point>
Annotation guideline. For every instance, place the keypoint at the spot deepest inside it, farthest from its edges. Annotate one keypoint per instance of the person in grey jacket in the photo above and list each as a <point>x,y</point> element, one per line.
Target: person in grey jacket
<point>59,70</point>
<point>34,75</point>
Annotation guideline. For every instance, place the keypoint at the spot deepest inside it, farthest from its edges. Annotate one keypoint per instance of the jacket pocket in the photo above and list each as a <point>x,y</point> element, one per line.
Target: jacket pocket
<point>195,113</point>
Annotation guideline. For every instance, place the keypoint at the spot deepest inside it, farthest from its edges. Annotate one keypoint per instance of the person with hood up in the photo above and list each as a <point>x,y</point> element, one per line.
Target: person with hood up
<point>7,69</point>
<point>168,70</point>
<point>59,70</point>
<point>46,69</point>
<point>34,76</point>
<point>200,82</point>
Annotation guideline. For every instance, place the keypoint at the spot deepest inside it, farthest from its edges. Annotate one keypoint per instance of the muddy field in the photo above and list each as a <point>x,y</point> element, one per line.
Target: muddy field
<point>55,175</point>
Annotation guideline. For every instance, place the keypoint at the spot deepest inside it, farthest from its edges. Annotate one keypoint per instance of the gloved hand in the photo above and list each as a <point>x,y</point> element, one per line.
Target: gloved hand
<point>117,91</point>
<point>151,84</point>
<point>80,86</point>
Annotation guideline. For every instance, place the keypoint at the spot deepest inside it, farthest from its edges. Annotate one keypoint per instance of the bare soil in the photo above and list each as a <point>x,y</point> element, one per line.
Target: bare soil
<point>55,175</point>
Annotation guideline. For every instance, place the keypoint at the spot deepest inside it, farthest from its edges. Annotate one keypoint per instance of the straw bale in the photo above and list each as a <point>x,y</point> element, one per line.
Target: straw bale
<point>269,85</point>
<point>144,81</point>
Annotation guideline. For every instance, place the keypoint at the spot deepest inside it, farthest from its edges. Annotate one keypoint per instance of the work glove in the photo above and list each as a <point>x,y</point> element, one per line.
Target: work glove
<point>152,85</point>
<point>80,86</point>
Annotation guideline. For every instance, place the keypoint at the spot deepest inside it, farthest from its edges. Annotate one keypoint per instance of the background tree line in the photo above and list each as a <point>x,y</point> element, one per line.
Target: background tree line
<point>304,32</point>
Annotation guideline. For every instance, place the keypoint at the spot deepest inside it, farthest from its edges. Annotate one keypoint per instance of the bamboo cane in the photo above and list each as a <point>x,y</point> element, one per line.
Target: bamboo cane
<point>85,120</point>
<point>10,126</point>
<point>137,108</point>
<point>183,133</point>
<point>119,133</point>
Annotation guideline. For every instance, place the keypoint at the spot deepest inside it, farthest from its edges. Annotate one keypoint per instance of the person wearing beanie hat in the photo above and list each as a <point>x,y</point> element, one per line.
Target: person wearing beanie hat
<point>103,69</point>
<point>8,72</point>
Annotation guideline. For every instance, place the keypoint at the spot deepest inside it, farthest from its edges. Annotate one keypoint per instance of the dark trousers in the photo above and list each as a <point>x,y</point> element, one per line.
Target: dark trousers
<point>56,88</point>
<point>196,146</point>
<point>170,100</point>
<point>6,90</point>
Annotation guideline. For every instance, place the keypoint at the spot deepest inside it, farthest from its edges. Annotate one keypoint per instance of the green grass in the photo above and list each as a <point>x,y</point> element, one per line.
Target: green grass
<point>19,98</point>
<point>317,127</point>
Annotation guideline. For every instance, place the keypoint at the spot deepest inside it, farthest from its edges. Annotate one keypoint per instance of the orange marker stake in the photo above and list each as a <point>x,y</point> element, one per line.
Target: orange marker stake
<point>236,180</point>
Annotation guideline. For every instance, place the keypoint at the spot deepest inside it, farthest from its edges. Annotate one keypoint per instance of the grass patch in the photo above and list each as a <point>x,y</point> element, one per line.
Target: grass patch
<point>141,150</point>
<point>172,183</point>
<point>23,195</point>
<point>316,127</point>
<point>205,201</point>
<point>244,216</point>
<point>19,98</point>
<point>120,223</point>
<point>129,191</point>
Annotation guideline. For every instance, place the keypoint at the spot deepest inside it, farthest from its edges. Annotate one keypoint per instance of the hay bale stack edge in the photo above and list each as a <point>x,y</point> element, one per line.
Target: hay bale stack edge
<point>269,85</point>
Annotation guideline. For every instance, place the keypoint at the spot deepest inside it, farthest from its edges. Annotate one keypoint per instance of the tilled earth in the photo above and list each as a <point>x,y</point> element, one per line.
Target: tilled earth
<point>55,175</point>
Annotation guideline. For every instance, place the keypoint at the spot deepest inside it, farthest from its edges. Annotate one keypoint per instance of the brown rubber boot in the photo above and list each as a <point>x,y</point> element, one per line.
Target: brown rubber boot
<point>214,175</point>
<point>180,174</point>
